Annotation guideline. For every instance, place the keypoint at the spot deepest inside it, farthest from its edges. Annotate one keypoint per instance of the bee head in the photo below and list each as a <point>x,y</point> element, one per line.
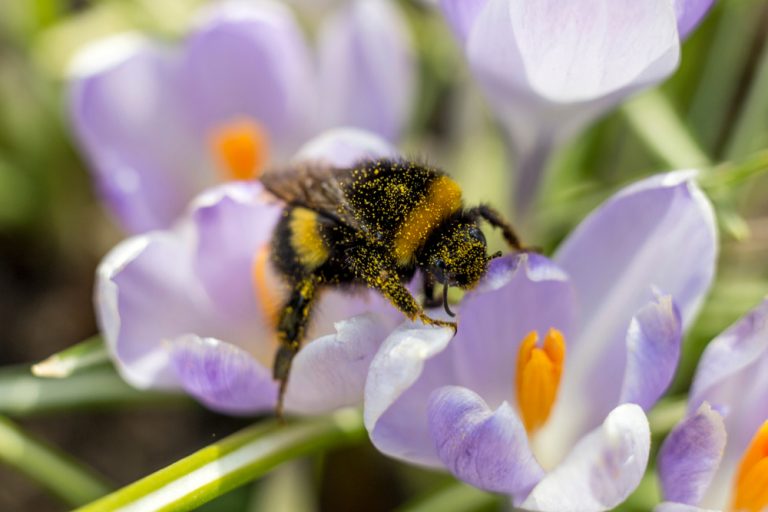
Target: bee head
<point>456,254</point>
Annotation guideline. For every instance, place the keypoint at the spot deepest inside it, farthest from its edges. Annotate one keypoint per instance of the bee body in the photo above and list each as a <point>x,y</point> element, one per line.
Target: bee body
<point>373,225</point>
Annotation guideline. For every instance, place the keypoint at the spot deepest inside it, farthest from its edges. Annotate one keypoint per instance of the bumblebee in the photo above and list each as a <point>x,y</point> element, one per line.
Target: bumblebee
<point>374,224</point>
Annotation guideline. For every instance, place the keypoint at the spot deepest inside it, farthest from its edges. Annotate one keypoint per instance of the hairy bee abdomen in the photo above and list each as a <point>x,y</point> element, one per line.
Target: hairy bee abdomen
<point>299,246</point>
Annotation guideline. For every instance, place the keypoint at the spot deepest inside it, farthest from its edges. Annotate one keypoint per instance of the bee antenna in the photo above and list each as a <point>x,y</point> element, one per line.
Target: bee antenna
<point>445,301</point>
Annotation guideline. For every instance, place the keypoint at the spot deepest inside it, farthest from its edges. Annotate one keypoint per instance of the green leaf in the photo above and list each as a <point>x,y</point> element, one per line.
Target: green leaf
<point>234,461</point>
<point>22,393</point>
<point>750,132</point>
<point>727,57</point>
<point>86,354</point>
<point>65,477</point>
<point>654,119</point>
<point>456,497</point>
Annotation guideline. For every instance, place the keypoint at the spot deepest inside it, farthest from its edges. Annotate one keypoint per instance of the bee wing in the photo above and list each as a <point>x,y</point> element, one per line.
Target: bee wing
<point>316,186</point>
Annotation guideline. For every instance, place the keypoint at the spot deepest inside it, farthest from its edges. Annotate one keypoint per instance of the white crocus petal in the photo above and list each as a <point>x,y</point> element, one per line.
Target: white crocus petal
<point>142,294</point>
<point>343,147</point>
<point>680,507</point>
<point>403,374</point>
<point>659,233</point>
<point>550,66</point>
<point>329,373</point>
<point>601,470</point>
<point>367,68</point>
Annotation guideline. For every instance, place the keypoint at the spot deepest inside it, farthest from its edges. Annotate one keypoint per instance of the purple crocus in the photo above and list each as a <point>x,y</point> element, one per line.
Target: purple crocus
<point>191,307</point>
<point>549,66</point>
<point>717,457</point>
<point>242,91</point>
<point>541,394</point>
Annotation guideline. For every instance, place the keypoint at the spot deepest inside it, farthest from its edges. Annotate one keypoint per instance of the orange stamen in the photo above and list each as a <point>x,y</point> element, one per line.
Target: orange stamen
<point>268,299</point>
<point>751,486</point>
<point>241,148</point>
<point>538,377</point>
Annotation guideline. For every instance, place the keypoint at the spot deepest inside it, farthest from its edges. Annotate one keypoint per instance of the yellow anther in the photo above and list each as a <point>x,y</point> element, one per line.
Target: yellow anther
<point>241,148</point>
<point>538,376</point>
<point>750,493</point>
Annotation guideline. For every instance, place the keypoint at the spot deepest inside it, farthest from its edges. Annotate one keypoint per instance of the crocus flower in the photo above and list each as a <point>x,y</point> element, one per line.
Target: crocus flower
<point>549,66</point>
<point>242,91</point>
<point>541,394</point>
<point>717,457</point>
<point>191,308</point>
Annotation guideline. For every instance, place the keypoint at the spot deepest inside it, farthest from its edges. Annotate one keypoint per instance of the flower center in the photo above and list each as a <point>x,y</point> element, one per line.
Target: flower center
<point>265,294</point>
<point>538,376</point>
<point>241,148</point>
<point>751,485</point>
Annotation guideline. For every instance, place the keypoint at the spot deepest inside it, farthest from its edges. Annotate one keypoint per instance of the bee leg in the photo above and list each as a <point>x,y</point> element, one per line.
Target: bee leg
<point>430,300</point>
<point>495,219</point>
<point>438,323</point>
<point>385,279</point>
<point>291,328</point>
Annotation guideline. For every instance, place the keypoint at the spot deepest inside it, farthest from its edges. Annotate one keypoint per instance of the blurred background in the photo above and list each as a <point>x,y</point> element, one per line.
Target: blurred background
<point>53,231</point>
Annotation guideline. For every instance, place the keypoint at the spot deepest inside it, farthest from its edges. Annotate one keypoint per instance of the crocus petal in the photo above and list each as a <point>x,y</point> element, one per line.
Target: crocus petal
<point>690,13</point>
<point>520,293</point>
<point>461,14</point>
<point>601,470</point>
<point>233,222</point>
<point>722,376</point>
<point>250,59</point>
<point>367,68</point>
<point>548,66</point>
<point>659,233</point>
<point>193,279</point>
<point>680,507</point>
<point>330,372</point>
<point>222,376</point>
<point>410,365</point>
<point>653,351</point>
<point>488,449</point>
<point>690,456</point>
<point>564,50</point>
<point>144,295</point>
<point>126,112</point>
<point>732,376</point>
<point>344,147</point>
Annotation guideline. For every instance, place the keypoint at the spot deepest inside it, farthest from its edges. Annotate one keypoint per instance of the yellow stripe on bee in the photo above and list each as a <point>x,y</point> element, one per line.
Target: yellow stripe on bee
<point>442,200</point>
<point>306,240</point>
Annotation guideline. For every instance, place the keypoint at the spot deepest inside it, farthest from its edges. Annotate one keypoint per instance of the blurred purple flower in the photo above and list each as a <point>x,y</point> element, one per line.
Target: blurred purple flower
<point>550,66</point>
<point>704,463</point>
<point>190,308</point>
<point>557,432</point>
<point>159,123</point>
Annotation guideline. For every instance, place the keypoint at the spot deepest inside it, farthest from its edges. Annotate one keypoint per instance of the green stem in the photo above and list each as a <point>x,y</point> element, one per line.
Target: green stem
<point>456,497</point>
<point>86,354</point>
<point>74,483</point>
<point>655,121</point>
<point>666,414</point>
<point>232,462</point>
<point>727,56</point>
<point>731,174</point>
<point>22,393</point>
<point>750,132</point>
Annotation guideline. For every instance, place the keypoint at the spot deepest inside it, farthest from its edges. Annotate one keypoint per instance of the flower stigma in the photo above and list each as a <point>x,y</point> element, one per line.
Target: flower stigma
<point>751,485</point>
<point>241,148</point>
<point>539,369</point>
